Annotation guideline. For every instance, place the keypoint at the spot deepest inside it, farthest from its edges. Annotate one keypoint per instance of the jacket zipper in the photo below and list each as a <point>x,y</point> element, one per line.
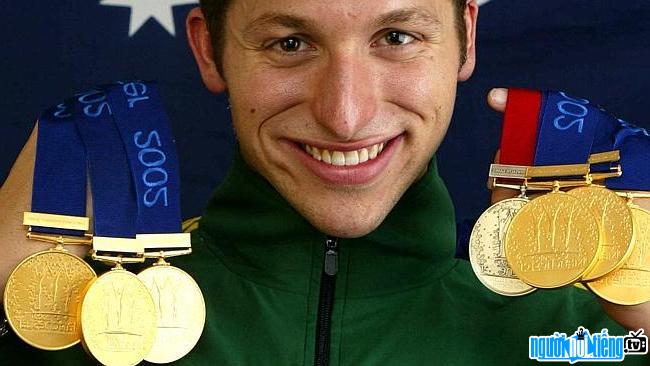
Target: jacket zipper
<point>326,302</point>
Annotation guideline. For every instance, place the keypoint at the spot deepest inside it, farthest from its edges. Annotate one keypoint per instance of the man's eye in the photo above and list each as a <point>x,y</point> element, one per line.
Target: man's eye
<point>397,38</point>
<point>290,44</point>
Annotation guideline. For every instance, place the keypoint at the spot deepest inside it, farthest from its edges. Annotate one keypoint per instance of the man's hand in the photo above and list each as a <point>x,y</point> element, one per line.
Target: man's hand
<point>16,198</point>
<point>630,317</point>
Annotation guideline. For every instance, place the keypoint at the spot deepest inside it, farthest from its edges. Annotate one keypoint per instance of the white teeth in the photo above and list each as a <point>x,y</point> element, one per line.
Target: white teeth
<point>374,150</point>
<point>327,157</point>
<point>338,158</point>
<point>363,155</point>
<point>316,154</point>
<point>349,158</point>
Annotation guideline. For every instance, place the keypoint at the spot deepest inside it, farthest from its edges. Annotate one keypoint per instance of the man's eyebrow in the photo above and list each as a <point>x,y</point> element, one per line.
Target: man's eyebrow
<point>273,19</point>
<point>411,16</point>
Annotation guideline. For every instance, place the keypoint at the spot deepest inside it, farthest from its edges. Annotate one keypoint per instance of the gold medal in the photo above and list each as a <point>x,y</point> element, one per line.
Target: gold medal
<point>118,319</point>
<point>615,220</point>
<point>118,316</point>
<point>178,299</point>
<point>552,241</point>
<point>42,297</point>
<point>180,308</point>
<point>486,249</point>
<point>44,292</point>
<point>630,284</point>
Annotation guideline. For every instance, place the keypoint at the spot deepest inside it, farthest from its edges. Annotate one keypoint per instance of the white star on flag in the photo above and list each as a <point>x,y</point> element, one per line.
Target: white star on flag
<point>142,10</point>
<point>161,11</point>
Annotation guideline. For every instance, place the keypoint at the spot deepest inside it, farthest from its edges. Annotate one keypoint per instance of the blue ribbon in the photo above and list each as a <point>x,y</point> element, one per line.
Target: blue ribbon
<point>121,134</point>
<point>634,145</point>
<point>566,130</point>
<point>573,128</point>
<point>147,138</point>
<point>114,206</point>
<point>59,183</point>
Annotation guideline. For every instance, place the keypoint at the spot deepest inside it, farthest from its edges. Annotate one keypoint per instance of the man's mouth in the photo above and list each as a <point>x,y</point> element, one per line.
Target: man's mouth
<point>347,164</point>
<point>344,158</point>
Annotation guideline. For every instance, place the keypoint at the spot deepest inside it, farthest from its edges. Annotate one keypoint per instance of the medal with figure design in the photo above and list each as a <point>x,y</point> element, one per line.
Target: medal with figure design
<point>486,249</point>
<point>553,240</point>
<point>629,284</point>
<point>118,315</point>
<point>44,291</point>
<point>177,297</point>
<point>42,297</point>
<point>180,309</point>
<point>615,219</point>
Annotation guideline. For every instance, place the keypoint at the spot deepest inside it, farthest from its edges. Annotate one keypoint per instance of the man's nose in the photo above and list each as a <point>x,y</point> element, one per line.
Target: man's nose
<point>345,98</point>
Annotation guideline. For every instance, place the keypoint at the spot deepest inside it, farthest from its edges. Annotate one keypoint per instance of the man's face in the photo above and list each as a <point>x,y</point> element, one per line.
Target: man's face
<point>341,104</point>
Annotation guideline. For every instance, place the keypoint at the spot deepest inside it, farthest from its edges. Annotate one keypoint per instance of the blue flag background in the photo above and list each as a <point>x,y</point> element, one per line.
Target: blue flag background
<point>592,48</point>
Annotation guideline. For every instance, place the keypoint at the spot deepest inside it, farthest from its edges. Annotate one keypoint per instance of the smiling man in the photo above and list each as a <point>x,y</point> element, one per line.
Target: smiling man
<point>331,240</point>
<point>339,106</point>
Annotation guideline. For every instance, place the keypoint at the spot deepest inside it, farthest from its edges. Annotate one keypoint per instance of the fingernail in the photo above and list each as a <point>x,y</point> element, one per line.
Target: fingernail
<point>499,95</point>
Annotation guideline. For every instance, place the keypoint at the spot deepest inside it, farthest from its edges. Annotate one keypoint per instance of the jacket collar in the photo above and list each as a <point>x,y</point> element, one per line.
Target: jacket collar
<point>259,236</point>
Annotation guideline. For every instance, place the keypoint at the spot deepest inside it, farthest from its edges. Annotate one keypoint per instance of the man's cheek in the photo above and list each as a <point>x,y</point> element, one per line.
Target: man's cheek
<point>263,95</point>
<point>419,88</point>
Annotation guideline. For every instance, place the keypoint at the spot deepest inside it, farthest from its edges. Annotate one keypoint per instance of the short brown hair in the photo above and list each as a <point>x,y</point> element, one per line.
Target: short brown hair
<point>215,15</point>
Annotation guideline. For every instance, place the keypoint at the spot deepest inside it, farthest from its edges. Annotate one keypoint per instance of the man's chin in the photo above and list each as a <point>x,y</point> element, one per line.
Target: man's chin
<point>345,230</point>
<point>347,224</point>
<point>346,212</point>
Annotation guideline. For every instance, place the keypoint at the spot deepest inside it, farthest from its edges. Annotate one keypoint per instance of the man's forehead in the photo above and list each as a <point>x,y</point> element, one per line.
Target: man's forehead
<point>310,13</point>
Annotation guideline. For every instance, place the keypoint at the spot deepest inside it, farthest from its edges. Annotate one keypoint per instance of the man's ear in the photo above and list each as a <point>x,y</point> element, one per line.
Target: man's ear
<point>471,16</point>
<point>201,44</point>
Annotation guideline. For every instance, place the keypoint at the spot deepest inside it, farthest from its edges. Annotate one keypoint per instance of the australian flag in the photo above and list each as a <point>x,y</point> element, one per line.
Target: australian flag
<point>599,49</point>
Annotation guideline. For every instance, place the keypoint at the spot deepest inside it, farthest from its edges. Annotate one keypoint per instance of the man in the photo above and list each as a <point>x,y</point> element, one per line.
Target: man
<point>331,240</point>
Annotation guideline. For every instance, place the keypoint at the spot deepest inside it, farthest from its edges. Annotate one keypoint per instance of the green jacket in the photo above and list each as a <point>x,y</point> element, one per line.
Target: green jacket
<point>401,298</point>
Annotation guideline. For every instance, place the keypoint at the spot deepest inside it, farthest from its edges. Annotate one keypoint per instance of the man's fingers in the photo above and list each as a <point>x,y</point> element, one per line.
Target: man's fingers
<point>500,194</point>
<point>497,98</point>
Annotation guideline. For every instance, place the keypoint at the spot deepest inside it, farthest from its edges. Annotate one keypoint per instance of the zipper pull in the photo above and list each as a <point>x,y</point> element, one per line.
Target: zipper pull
<point>331,267</point>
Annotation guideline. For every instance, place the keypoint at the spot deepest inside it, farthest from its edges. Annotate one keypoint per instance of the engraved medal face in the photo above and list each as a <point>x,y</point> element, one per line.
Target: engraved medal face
<point>42,297</point>
<point>630,284</point>
<point>615,220</point>
<point>118,319</point>
<point>181,312</point>
<point>552,241</point>
<point>486,249</point>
